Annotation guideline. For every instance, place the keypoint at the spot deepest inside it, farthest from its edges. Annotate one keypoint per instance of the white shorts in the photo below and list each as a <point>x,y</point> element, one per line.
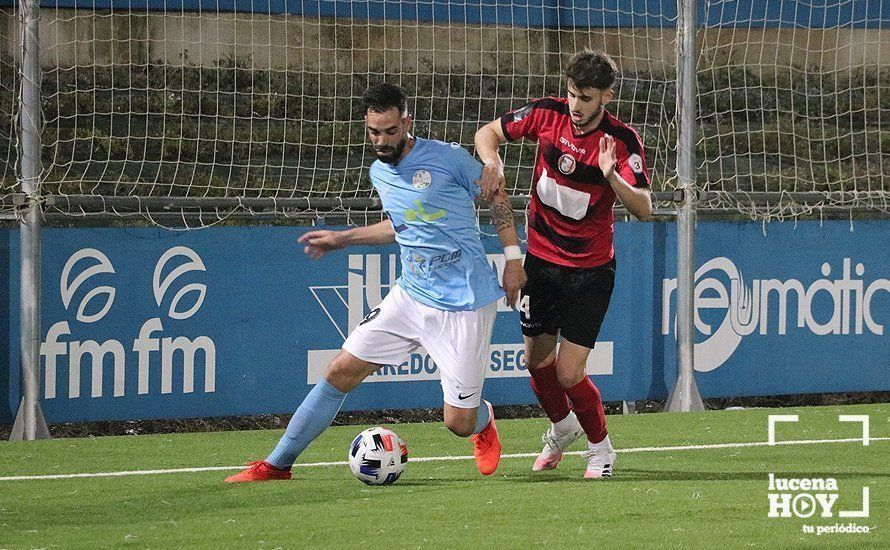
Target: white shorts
<point>458,342</point>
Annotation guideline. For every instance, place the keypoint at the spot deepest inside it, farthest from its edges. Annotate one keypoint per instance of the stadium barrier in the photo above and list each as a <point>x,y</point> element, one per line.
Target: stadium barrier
<point>143,323</point>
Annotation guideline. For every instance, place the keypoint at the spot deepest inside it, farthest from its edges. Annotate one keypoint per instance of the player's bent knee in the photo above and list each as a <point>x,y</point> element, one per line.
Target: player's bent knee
<point>569,377</point>
<point>534,361</point>
<point>532,364</point>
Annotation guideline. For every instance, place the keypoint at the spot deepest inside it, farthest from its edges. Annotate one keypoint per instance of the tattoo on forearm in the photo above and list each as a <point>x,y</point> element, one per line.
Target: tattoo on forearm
<point>502,216</point>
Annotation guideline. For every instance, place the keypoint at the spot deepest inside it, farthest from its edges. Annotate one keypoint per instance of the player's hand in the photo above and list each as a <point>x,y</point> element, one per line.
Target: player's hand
<point>514,280</point>
<point>491,182</point>
<point>321,241</point>
<point>607,157</point>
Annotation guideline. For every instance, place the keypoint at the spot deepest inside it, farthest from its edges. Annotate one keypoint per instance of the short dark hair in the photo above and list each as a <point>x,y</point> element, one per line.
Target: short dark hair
<point>383,97</point>
<point>592,69</point>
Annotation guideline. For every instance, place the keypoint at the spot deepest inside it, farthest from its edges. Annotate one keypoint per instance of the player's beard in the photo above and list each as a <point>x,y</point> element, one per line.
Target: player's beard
<point>584,123</point>
<point>391,155</point>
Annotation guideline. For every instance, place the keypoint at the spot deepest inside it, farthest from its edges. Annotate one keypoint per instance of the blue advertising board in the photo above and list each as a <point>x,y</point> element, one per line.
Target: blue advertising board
<point>149,323</point>
<point>786,307</point>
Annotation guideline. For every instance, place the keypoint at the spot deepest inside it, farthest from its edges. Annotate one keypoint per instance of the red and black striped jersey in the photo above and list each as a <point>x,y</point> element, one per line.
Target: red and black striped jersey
<point>570,220</point>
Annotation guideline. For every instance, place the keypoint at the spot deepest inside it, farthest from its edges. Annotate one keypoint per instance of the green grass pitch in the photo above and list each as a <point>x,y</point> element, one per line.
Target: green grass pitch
<point>674,498</point>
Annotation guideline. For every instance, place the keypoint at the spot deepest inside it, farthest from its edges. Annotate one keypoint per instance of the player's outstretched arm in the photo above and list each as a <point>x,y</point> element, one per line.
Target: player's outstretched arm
<point>504,222</point>
<point>323,240</point>
<point>488,140</point>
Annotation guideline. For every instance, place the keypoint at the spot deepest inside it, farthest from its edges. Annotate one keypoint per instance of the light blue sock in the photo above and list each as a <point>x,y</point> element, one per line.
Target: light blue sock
<point>313,416</point>
<point>483,417</point>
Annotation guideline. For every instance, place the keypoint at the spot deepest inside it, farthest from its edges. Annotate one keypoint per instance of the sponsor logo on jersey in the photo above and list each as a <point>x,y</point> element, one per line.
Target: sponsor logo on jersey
<point>572,146</point>
<point>420,213</point>
<point>416,263</point>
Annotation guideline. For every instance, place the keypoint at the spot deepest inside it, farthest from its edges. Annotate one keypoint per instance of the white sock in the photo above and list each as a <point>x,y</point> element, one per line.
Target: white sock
<point>566,425</point>
<point>603,445</point>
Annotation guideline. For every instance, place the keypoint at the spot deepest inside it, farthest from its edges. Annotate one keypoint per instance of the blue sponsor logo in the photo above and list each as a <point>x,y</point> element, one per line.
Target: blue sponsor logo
<point>444,260</point>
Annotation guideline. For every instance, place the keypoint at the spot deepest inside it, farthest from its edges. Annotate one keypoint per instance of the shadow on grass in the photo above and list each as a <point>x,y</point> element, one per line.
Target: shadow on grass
<point>635,475</point>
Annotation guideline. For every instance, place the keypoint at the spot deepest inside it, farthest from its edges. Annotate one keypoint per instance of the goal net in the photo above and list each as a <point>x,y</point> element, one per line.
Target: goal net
<point>160,112</point>
<point>9,86</point>
<point>191,112</point>
<point>794,109</point>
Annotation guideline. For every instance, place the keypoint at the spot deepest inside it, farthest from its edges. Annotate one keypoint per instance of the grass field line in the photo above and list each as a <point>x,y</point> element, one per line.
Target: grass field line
<point>444,458</point>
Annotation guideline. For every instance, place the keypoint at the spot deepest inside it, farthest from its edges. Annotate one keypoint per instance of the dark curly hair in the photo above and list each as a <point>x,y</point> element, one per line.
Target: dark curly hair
<point>383,97</point>
<point>592,69</point>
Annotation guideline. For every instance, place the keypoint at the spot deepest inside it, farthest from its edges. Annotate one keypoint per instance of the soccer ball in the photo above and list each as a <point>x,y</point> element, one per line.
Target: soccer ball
<point>377,456</point>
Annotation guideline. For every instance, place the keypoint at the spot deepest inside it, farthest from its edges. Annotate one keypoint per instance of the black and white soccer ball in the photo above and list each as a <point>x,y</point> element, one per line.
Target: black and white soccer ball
<point>377,456</point>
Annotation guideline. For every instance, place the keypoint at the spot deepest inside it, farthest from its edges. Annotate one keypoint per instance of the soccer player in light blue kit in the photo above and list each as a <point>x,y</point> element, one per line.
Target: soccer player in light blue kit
<point>446,297</point>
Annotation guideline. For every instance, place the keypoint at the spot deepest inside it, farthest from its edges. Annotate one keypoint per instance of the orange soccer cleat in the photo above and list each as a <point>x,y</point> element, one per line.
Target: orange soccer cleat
<point>259,470</point>
<point>487,447</point>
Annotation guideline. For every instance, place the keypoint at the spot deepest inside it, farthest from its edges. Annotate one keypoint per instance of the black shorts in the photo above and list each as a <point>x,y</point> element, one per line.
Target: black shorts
<point>570,301</point>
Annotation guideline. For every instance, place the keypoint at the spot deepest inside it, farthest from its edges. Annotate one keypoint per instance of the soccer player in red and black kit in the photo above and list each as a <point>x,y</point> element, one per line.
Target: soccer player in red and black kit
<point>586,157</point>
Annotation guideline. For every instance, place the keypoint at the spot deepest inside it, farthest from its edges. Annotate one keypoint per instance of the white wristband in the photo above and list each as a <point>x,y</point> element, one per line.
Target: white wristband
<point>512,252</point>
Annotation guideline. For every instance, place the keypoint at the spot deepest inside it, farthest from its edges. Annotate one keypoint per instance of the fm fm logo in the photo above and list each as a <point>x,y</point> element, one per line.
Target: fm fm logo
<point>149,347</point>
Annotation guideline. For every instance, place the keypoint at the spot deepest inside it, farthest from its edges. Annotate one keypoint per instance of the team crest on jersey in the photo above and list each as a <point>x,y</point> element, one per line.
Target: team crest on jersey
<point>567,164</point>
<point>422,179</point>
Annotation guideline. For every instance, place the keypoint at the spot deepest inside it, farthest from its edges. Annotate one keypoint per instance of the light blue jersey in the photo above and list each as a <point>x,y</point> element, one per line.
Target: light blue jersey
<point>428,196</point>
